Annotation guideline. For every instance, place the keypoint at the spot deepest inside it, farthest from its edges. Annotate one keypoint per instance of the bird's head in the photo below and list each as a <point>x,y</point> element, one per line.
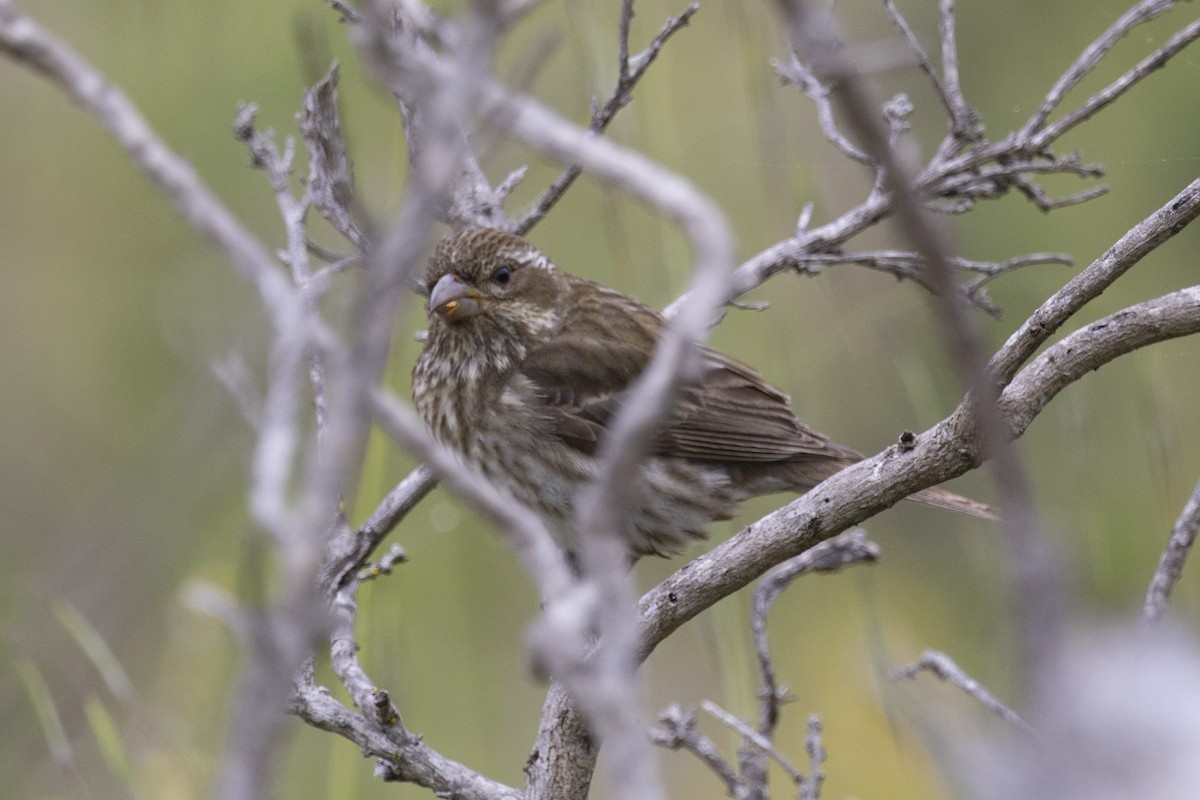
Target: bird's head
<point>482,278</point>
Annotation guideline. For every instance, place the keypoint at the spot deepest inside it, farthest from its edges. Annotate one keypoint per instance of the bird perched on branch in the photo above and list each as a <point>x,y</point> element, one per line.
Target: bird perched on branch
<point>525,366</point>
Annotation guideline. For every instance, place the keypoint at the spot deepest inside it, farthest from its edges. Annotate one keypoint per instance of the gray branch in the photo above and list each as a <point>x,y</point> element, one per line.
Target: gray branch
<point>1170,566</point>
<point>965,168</point>
<point>439,75</point>
<point>330,186</point>
<point>813,35</point>
<point>1140,240</point>
<point>629,71</point>
<point>944,668</point>
<point>852,547</point>
<point>1141,12</point>
<point>406,759</point>
<point>679,732</point>
<point>949,449</point>
<point>349,549</point>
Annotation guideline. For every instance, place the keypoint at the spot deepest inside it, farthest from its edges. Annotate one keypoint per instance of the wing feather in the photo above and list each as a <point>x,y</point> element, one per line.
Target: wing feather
<point>730,414</point>
<point>733,414</point>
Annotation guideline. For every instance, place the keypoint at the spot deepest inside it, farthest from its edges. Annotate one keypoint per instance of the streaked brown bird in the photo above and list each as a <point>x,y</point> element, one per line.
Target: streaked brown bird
<point>525,365</point>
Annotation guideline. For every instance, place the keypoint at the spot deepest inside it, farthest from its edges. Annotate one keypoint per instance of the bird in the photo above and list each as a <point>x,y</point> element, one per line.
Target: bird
<point>525,365</point>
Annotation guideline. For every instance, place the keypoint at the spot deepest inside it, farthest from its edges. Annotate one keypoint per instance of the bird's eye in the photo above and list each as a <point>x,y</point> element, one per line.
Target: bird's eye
<point>502,275</point>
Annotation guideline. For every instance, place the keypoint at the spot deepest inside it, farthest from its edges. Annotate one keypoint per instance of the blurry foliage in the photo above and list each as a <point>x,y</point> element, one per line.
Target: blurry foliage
<point>124,469</point>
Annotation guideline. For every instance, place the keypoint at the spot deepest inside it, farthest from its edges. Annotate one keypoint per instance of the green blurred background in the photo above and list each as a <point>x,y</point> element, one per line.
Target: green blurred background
<point>124,463</point>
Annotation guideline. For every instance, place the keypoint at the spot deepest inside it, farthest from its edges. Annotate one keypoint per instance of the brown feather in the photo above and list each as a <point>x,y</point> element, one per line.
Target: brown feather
<point>525,367</point>
<point>730,414</point>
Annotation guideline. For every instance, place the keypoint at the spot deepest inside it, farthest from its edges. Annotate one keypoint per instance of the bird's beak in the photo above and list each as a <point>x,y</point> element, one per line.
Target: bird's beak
<point>452,299</point>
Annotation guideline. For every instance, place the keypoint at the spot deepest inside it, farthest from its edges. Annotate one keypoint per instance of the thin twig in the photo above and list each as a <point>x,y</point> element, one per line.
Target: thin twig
<point>408,759</point>
<point>264,154</point>
<point>832,555</point>
<point>1160,226</point>
<point>680,732</point>
<point>922,56</point>
<point>800,76</point>
<point>754,737</point>
<point>629,71</point>
<point>942,666</point>
<point>909,265</point>
<point>964,121</point>
<point>346,12</point>
<point>852,547</point>
<point>811,788</point>
<point>1170,566</point>
<point>373,702</point>
<point>398,502</point>
<point>1110,93</point>
<point>329,186</point>
<point>1090,57</point>
<point>384,566</point>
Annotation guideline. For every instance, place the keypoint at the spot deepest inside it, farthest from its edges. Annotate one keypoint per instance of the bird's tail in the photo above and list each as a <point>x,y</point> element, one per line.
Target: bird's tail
<point>940,498</point>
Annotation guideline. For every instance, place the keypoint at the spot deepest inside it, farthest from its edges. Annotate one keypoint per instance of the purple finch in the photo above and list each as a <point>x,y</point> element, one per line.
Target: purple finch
<point>525,365</point>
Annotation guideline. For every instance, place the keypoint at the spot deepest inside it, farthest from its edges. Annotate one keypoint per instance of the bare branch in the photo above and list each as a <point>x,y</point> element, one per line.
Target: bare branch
<point>800,76</point>
<point>265,155</point>
<point>949,449</point>
<point>1170,566</point>
<point>379,729</point>
<point>629,71</point>
<point>408,759</point>
<point>1089,348</point>
<point>330,187</point>
<point>979,171</point>
<point>396,41</point>
<point>1140,240</point>
<point>1108,94</point>
<point>922,56</point>
<point>1143,11</point>
<point>755,738</point>
<point>828,556</point>
<point>811,789</point>
<point>349,549</point>
<point>374,703</point>
<point>812,33</point>
<point>852,547</point>
<point>681,733</point>
<point>964,122</point>
<point>908,265</point>
<point>942,666</point>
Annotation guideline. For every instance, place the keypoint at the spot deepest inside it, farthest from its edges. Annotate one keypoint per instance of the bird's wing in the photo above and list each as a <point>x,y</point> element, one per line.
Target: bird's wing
<point>579,381</point>
<point>730,414</point>
<point>581,371</point>
<point>733,414</point>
